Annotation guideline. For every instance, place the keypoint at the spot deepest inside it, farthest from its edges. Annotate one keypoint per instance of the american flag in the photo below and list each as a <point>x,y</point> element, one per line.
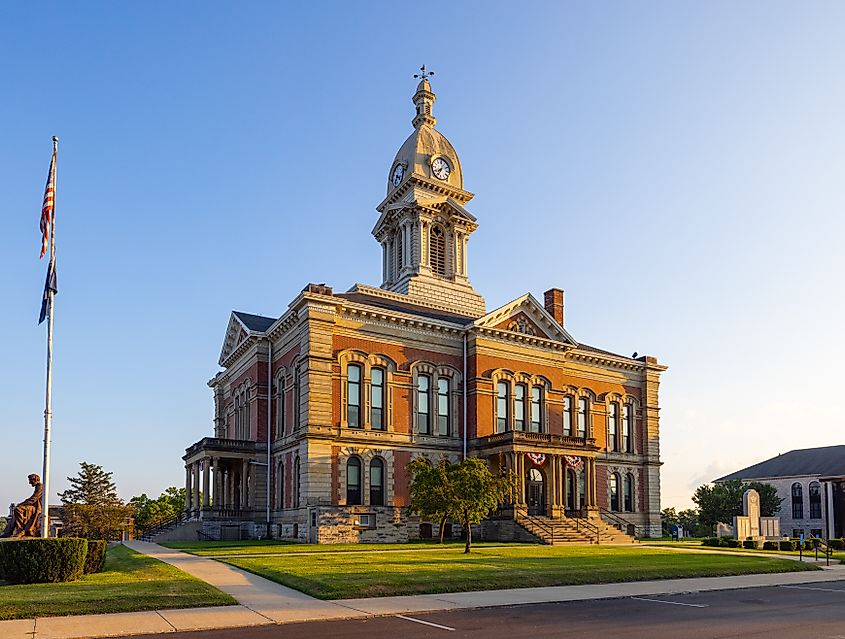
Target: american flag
<point>47,207</point>
<point>576,463</point>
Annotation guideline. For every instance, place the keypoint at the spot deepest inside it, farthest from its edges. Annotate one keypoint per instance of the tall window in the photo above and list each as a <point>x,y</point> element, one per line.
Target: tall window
<point>377,398</point>
<point>377,482</point>
<point>502,407</point>
<point>423,408</point>
<point>519,407</point>
<point>400,257</point>
<point>295,482</point>
<point>353,481</point>
<point>280,477</point>
<point>536,409</point>
<point>815,500</point>
<point>582,417</point>
<point>280,408</point>
<point>443,420</point>
<point>627,430</point>
<point>628,492</point>
<point>613,428</point>
<point>297,396</point>
<point>437,252</point>
<point>567,416</point>
<point>797,501</point>
<point>353,396</point>
<point>614,492</point>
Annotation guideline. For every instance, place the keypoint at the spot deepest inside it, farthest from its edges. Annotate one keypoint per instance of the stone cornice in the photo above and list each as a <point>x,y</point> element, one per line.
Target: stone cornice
<point>434,186</point>
<point>603,359</point>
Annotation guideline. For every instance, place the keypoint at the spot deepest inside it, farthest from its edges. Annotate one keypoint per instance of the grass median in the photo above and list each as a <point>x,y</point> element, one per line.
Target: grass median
<point>129,583</point>
<point>341,575</point>
<point>272,547</point>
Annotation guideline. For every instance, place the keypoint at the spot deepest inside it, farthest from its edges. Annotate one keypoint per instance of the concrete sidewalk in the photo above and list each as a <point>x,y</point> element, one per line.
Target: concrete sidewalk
<point>263,602</point>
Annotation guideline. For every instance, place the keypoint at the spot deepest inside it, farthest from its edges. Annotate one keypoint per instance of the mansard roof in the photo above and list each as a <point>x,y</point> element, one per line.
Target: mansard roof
<point>827,460</point>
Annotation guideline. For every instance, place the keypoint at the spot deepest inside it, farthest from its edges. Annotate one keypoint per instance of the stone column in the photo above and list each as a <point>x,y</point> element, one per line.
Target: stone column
<point>206,482</point>
<point>187,489</point>
<point>244,486</point>
<point>828,511</point>
<point>520,464</point>
<point>195,501</point>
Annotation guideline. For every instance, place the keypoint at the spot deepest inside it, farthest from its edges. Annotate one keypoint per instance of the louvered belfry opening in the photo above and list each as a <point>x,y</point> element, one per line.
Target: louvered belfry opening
<point>438,251</point>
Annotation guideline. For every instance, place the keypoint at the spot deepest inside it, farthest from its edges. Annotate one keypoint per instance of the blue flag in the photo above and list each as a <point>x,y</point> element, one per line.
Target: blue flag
<point>50,288</point>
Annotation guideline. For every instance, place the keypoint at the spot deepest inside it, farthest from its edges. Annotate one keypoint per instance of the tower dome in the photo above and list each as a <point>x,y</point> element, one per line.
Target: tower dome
<point>426,153</point>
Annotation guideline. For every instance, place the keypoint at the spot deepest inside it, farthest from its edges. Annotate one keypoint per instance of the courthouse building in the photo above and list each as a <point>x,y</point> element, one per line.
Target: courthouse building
<point>319,411</point>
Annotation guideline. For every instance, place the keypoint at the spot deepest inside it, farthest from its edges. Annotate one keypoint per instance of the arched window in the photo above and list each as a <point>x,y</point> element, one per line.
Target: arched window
<point>437,250</point>
<point>612,427</point>
<point>295,482</point>
<point>280,489</point>
<point>424,404</point>
<point>297,396</point>
<point>582,416</point>
<point>627,428</point>
<point>567,416</point>
<point>443,412</point>
<point>502,407</point>
<point>797,501</point>
<point>519,407</point>
<point>377,398</point>
<point>280,408</point>
<point>628,492</point>
<point>377,482</point>
<point>353,481</point>
<point>614,492</point>
<point>815,500</point>
<point>571,489</point>
<point>536,409</point>
<point>353,396</point>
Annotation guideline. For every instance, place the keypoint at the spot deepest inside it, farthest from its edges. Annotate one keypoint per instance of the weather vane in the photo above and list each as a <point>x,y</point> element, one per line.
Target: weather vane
<point>424,73</point>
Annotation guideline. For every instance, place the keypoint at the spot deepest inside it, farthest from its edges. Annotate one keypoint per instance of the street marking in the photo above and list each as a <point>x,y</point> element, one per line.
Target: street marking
<point>427,623</point>
<point>674,603</point>
<point>811,588</point>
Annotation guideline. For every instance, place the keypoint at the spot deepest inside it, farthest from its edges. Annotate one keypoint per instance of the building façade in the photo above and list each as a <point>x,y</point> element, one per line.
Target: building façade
<point>319,411</point>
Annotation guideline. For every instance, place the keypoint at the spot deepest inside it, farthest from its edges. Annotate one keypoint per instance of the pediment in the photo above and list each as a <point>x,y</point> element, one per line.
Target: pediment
<point>525,316</point>
<point>236,334</point>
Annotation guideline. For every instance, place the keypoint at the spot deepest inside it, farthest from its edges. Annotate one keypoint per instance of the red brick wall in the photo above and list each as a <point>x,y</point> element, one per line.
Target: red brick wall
<point>602,497</point>
<point>401,496</point>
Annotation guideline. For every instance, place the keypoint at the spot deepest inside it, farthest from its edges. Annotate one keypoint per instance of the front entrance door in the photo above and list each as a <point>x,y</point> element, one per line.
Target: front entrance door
<point>535,493</point>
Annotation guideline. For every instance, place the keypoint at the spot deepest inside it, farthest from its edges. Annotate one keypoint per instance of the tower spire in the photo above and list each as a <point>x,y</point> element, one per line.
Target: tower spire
<point>424,100</point>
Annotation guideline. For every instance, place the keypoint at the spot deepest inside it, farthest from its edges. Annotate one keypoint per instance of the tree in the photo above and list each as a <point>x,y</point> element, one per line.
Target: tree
<point>668,518</point>
<point>723,501</point>
<point>474,492</point>
<point>91,507</point>
<point>92,486</point>
<point>429,488</point>
<point>150,513</point>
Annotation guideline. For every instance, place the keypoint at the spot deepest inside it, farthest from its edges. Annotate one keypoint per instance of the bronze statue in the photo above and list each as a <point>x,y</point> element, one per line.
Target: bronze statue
<point>26,519</point>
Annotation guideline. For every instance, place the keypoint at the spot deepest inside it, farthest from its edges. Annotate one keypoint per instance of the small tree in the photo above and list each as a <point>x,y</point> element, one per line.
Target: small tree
<point>91,507</point>
<point>474,493</point>
<point>429,488</point>
<point>92,486</point>
<point>721,502</point>
<point>152,512</point>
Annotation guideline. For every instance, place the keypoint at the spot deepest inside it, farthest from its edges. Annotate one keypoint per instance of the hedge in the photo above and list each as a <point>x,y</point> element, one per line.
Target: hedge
<point>788,544</point>
<point>95,559</point>
<point>35,561</point>
<point>770,545</point>
<point>836,543</point>
<point>749,543</point>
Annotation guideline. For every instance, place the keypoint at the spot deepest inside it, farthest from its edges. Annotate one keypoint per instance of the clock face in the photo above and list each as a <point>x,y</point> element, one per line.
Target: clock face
<point>441,169</point>
<point>398,174</point>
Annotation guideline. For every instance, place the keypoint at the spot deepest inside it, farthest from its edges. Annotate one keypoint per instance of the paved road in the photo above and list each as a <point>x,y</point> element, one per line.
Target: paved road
<point>811,611</point>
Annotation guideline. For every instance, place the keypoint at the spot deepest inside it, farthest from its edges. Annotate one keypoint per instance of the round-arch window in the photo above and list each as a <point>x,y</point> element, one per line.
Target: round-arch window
<point>535,475</point>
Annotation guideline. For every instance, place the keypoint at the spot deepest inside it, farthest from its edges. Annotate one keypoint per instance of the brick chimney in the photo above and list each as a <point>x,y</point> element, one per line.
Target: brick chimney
<point>553,301</point>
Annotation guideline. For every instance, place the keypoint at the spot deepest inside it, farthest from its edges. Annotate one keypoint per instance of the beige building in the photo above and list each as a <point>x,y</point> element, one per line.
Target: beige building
<point>318,411</point>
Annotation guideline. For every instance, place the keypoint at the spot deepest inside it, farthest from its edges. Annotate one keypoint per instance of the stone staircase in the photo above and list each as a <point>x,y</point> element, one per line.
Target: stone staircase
<point>555,532</point>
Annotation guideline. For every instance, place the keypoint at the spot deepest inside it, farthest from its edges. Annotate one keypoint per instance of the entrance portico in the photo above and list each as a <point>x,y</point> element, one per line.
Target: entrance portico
<point>220,479</point>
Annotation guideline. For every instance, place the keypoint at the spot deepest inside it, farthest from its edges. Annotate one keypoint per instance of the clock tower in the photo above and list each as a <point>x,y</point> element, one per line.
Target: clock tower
<point>424,228</point>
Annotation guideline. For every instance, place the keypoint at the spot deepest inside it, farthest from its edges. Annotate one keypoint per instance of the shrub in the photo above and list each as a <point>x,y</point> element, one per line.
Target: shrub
<point>749,543</point>
<point>710,541</point>
<point>770,545</point>
<point>95,559</point>
<point>35,561</point>
<point>810,544</point>
<point>836,543</point>
<point>788,544</point>
<point>732,543</point>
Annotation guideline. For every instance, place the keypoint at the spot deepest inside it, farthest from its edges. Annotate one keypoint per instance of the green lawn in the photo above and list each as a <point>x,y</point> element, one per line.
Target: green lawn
<point>130,582</point>
<point>266,547</point>
<point>697,545</point>
<point>339,575</point>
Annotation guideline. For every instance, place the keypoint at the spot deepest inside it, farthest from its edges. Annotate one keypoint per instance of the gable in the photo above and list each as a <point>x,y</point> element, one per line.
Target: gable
<point>523,315</point>
<point>237,332</point>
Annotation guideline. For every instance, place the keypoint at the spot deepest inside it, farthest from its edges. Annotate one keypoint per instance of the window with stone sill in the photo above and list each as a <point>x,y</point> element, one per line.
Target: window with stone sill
<point>536,425</point>
<point>377,399</point>
<point>280,407</point>
<point>583,416</point>
<point>614,492</point>
<point>519,407</point>
<point>567,416</point>
<point>502,407</point>
<point>424,404</point>
<point>444,417</point>
<point>377,482</point>
<point>628,492</point>
<point>815,500</point>
<point>353,396</point>
<point>612,427</point>
<point>353,482</point>
<point>628,427</point>
<point>797,501</point>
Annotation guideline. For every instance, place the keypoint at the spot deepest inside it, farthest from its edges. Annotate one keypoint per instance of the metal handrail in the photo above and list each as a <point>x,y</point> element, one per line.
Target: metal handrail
<point>620,521</point>
<point>158,526</point>
<point>582,521</point>
<point>547,528</point>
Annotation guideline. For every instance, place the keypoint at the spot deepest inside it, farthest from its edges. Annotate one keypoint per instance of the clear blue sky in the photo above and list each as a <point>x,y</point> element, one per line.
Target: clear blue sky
<point>677,168</point>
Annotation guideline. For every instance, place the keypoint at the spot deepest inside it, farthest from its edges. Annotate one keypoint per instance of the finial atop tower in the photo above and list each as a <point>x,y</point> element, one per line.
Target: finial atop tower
<point>424,99</point>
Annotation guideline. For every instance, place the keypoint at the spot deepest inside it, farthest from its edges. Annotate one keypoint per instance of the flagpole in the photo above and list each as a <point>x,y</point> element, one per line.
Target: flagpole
<point>48,399</point>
